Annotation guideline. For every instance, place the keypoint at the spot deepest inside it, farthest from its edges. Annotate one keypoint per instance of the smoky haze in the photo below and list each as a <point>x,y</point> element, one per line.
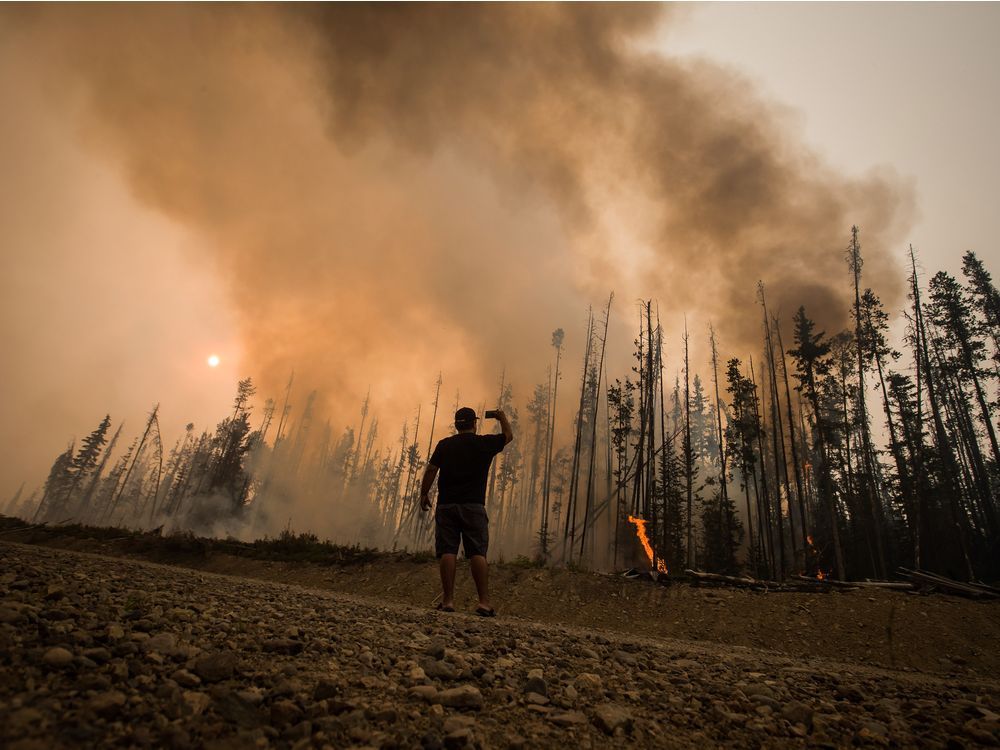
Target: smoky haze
<point>392,191</point>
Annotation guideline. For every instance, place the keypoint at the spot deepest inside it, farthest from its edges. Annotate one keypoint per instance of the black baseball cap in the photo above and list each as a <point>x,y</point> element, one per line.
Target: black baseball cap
<point>465,417</point>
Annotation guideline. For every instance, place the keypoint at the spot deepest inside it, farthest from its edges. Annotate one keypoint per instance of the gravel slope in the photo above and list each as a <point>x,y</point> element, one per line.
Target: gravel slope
<point>98,652</point>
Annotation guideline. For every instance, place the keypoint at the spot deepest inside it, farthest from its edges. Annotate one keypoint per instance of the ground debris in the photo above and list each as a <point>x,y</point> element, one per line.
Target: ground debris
<point>136,675</point>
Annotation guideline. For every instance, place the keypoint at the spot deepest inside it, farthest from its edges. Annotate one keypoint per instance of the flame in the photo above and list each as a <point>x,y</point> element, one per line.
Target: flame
<point>820,575</point>
<point>640,531</point>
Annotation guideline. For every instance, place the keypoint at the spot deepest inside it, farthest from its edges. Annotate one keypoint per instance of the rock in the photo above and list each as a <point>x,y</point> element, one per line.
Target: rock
<point>438,670</point>
<point>57,658</point>
<point>185,679</point>
<point>235,708</point>
<point>424,692</point>
<point>161,643</point>
<point>624,658</point>
<point>285,712</point>
<point>417,674</point>
<point>568,718</point>
<point>196,702</point>
<point>465,696</point>
<point>180,614</point>
<point>453,723</point>
<point>56,615</point>
<point>458,739</point>
<point>535,699</point>
<point>588,683</point>
<point>216,667</point>
<point>176,737</point>
<point>115,632</point>
<point>10,616</point>
<point>609,717</point>
<point>108,704</point>
<point>758,690</point>
<point>536,683</point>
<point>326,689</point>
<point>435,649</point>
<point>54,592</point>
<point>685,664</point>
<point>99,655</point>
<point>283,646</point>
<point>798,713</point>
<point>286,687</point>
<point>95,682</point>
<point>23,718</point>
<point>851,693</point>
<point>874,731</point>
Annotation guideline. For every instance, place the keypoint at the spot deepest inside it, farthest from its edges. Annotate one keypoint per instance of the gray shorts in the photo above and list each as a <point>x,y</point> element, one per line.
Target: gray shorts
<point>465,522</point>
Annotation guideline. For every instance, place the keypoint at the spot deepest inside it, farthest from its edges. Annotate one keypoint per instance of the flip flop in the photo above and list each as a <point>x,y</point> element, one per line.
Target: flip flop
<point>484,612</point>
<point>442,608</point>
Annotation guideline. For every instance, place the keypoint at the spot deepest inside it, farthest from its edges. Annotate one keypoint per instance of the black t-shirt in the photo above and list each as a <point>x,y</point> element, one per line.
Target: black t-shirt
<point>464,460</point>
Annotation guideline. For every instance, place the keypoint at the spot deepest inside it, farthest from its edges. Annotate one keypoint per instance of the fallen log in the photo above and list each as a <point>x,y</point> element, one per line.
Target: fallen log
<point>808,586</point>
<point>927,580</point>
<point>752,583</point>
<point>847,585</point>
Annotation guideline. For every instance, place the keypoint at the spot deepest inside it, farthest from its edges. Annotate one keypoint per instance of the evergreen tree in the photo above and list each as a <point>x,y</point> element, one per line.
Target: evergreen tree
<point>743,433</point>
<point>811,361</point>
<point>58,482</point>
<point>985,300</point>
<point>950,310</point>
<point>86,458</point>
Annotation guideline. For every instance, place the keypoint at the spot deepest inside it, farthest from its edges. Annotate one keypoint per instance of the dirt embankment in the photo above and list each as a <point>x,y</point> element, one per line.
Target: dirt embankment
<point>893,629</point>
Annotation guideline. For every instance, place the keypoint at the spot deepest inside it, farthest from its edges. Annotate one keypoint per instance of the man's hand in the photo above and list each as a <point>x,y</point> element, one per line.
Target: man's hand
<point>425,486</point>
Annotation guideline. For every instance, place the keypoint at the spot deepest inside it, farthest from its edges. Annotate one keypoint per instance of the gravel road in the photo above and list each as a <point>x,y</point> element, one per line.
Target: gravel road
<point>100,652</point>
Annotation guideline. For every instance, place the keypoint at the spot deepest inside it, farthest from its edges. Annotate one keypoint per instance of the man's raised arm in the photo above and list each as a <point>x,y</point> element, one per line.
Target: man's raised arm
<point>508,433</point>
<point>425,486</point>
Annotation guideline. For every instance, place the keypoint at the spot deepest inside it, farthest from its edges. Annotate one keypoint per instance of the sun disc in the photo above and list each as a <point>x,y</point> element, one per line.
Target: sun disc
<point>213,360</point>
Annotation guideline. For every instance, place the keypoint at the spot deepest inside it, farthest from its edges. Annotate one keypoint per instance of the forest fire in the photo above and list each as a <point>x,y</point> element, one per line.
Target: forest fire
<point>640,531</point>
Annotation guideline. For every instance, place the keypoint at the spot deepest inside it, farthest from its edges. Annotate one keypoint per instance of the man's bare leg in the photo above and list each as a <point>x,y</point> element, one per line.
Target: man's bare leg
<point>448,563</point>
<point>480,574</point>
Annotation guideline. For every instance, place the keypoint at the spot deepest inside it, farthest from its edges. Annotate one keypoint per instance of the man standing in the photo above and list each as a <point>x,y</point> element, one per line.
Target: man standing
<point>464,462</point>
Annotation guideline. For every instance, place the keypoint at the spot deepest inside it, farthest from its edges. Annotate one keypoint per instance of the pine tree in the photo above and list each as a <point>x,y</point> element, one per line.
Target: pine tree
<point>952,312</point>
<point>985,299</point>
<point>742,435</point>
<point>810,357</point>
<point>621,402</point>
<point>86,458</point>
<point>869,475</point>
<point>59,480</point>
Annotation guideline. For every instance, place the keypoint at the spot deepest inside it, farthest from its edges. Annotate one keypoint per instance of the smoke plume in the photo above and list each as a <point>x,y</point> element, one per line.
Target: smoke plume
<point>390,191</point>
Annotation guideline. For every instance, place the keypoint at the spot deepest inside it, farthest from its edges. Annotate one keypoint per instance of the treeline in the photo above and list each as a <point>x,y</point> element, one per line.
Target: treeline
<point>824,454</point>
<point>828,455</point>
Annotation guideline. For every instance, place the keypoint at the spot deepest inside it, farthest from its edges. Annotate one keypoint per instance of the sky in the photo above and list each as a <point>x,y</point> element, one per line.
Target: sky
<point>909,87</point>
<point>121,272</point>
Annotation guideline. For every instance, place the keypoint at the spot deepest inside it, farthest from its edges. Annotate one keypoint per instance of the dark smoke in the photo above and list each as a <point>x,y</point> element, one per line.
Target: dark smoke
<point>394,190</point>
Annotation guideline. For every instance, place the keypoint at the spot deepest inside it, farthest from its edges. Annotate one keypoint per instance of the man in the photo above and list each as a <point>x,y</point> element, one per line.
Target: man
<point>464,462</point>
